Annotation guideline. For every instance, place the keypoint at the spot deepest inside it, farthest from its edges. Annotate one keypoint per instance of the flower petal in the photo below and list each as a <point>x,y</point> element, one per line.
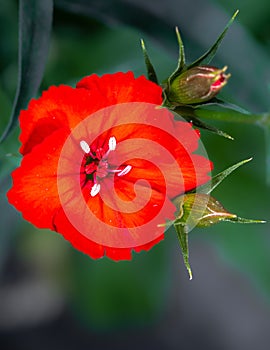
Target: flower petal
<point>92,249</point>
<point>63,226</point>
<point>65,105</point>
<point>34,191</point>
<point>123,87</point>
<point>57,107</point>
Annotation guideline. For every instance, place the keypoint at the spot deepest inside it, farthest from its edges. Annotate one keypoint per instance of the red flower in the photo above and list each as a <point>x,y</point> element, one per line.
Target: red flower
<point>85,153</point>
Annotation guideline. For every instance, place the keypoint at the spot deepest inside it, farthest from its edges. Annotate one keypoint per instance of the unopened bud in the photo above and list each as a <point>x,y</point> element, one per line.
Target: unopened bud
<point>196,85</point>
<point>201,210</point>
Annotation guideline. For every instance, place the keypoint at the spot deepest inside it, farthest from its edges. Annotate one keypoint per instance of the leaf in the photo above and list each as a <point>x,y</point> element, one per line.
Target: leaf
<point>118,12</point>
<point>181,58</point>
<point>217,179</point>
<point>202,125</point>
<point>214,111</point>
<point>182,235</point>
<point>35,21</point>
<point>150,69</point>
<point>209,55</point>
<point>239,220</point>
<point>223,104</point>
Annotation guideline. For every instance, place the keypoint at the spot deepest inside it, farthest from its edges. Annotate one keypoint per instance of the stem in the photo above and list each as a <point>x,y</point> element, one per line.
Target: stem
<point>229,115</point>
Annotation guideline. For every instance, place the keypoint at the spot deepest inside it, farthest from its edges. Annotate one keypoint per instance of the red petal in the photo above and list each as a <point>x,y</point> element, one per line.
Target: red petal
<point>34,191</point>
<point>149,245</point>
<point>92,249</point>
<point>118,254</point>
<point>67,106</point>
<point>78,241</point>
<point>123,87</point>
<point>57,107</point>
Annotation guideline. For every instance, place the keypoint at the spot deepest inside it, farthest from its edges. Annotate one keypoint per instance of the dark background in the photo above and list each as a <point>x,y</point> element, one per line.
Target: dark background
<point>53,297</point>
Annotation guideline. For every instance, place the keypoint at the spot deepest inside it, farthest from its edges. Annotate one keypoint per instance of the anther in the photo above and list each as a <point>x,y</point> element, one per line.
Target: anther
<point>125,171</point>
<point>84,146</point>
<point>95,189</point>
<point>112,143</point>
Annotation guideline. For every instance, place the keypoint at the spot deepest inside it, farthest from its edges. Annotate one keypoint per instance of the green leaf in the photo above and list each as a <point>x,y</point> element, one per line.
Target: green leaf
<point>223,104</point>
<point>239,220</point>
<point>214,111</point>
<point>217,179</point>
<point>199,123</point>
<point>131,14</point>
<point>209,55</point>
<point>35,21</point>
<point>150,69</point>
<point>182,235</point>
<point>181,59</point>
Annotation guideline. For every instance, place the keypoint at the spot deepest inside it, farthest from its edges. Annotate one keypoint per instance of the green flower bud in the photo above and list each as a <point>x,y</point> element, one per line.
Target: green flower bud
<point>201,210</point>
<point>196,85</point>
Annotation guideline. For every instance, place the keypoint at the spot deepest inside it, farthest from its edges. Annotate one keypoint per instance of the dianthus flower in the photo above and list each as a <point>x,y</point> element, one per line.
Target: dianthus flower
<point>93,166</point>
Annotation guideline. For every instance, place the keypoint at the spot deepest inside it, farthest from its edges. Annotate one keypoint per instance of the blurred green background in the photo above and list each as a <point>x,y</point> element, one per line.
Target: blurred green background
<point>53,297</point>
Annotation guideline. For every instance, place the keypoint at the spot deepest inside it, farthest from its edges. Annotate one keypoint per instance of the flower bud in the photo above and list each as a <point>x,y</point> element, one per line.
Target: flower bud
<point>201,210</point>
<point>198,84</point>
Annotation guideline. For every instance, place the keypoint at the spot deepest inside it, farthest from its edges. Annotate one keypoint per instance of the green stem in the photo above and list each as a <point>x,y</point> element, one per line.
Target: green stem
<point>229,115</point>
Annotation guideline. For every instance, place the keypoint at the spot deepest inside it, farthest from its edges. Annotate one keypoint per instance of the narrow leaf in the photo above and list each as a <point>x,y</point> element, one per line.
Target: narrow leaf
<point>209,55</point>
<point>152,76</point>
<point>239,220</point>
<point>182,235</point>
<point>202,125</point>
<point>217,179</point>
<point>217,109</point>
<point>35,21</point>
<point>223,104</point>
<point>181,58</point>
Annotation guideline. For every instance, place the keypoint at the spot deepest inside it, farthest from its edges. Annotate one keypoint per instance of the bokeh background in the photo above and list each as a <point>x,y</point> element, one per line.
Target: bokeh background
<point>53,297</point>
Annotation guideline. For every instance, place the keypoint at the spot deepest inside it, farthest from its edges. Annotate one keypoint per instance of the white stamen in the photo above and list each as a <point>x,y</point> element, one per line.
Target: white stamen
<point>112,143</point>
<point>84,146</point>
<point>95,190</point>
<point>125,171</point>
